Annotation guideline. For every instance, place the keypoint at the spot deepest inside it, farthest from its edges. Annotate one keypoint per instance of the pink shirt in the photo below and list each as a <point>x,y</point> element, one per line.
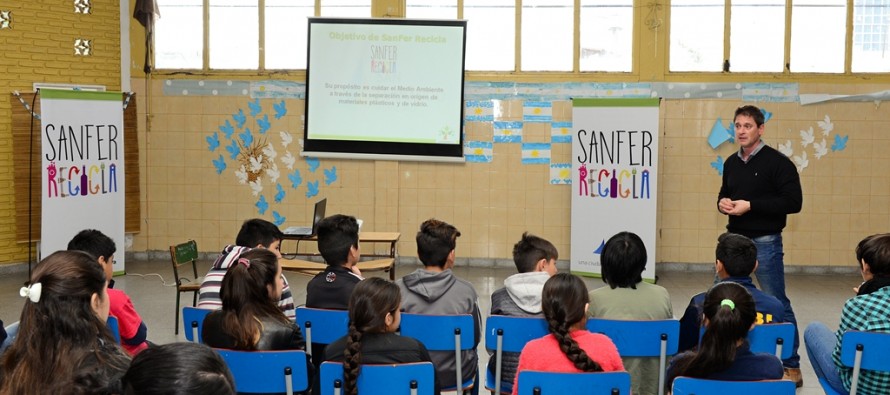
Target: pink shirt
<point>544,354</point>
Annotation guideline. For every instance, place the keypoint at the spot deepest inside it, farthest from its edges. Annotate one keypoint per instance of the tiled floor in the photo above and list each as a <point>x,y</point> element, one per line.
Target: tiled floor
<point>815,297</point>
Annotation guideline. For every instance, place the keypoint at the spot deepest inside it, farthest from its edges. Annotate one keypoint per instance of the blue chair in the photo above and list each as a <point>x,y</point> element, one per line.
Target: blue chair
<point>547,383</point>
<point>193,323</point>
<point>322,326</point>
<point>656,338</point>
<point>114,328</point>
<point>771,338</point>
<point>392,379</point>
<point>853,354</point>
<point>691,386</point>
<point>454,333</point>
<point>508,334</point>
<point>283,371</point>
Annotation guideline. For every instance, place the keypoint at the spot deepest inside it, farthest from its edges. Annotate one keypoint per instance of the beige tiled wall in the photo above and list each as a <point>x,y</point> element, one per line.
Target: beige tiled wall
<point>846,193</point>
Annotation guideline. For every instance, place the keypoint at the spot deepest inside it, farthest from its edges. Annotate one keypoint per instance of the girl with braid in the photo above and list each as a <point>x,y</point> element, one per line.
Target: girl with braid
<point>724,354</point>
<point>569,347</point>
<point>374,317</point>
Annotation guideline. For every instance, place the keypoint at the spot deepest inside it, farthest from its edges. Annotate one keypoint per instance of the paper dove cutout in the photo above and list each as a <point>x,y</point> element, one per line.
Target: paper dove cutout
<point>256,164</point>
<point>242,175</point>
<point>286,138</point>
<point>278,218</point>
<point>826,125</point>
<point>840,142</point>
<point>269,151</point>
<point>786,148</point>
<point>280,193</point>
<point>311,189</point>
<point>280,109</point>
<point>295,179</point>
<point>806,137</point>
<point>213,141</point>
<point>820,149</point>
<point>801,161</point>
<point>289,160</point>
<point>219,164</point>
<point>717,164</point>
<point>256,186</point>
<point>262,205</point>
<point>273,173</point>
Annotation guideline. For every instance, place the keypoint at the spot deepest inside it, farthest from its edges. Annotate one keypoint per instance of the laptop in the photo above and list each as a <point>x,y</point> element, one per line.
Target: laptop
<point>317,216</point>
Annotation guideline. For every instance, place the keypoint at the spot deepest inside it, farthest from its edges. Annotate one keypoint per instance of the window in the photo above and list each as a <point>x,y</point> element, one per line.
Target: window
<point>491,34</point>
<point>606,35</point>
<point>758,40</point>
<point>234,32</point>
<point>871,36</point>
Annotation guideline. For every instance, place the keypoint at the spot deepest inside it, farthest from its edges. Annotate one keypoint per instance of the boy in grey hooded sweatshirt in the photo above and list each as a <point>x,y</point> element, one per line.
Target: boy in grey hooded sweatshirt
<point>535,260</point>
<point>434,290</point>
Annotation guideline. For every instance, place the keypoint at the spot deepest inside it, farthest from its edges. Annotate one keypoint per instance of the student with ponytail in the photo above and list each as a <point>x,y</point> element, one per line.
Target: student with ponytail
<point>63,345</point>
<point>723,354</point>
<point>569,347</point>
<point>250,318</point>
<point>374,317</point>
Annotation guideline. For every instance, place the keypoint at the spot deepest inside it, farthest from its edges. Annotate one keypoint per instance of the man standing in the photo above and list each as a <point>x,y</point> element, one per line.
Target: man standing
<point>760,188</point>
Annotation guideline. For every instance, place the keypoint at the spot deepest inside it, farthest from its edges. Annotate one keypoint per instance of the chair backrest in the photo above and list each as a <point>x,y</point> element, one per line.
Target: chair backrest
<point>772,338</point>
<point>193,323</point>
<point>12,331</point>
<point>442,333</point>
<point>390,379</point>
<point>282,371</point>
<point>509,334</point>
<point>691,386</point>
<point>547,383</point>
<point>853,353</point>
<point>322,326</point>
<point>655,338</point>
<point>114,328</point>
<point>183,254</point>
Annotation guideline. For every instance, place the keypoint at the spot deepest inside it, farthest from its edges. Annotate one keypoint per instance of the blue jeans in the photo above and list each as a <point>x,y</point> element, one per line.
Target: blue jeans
<point>771,276</point>
<point>820,342</point>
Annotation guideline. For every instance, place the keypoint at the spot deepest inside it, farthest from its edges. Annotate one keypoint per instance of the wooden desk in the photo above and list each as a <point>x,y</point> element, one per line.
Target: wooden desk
<point>386,262</point>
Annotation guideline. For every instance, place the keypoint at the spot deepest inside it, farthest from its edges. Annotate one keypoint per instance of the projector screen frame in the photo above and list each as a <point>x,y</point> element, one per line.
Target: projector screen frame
<point>378,150</point>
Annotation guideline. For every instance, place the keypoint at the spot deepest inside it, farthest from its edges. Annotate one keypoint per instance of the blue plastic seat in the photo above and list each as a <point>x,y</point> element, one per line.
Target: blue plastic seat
<point>644,338</point>
<point>283,371</point>
<point>193,323</point>
<point>509,334</point>
<point>391,379</point>
<point>454,333</point>
<point>558,383</point>
<point>862,350</point>
<point>771,338</point>
<point>691,386</point>
<point>322,326</point>
<point>114,328</point>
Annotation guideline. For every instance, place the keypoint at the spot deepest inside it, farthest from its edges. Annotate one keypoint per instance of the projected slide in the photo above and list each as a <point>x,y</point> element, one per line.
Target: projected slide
<point>385,82</point>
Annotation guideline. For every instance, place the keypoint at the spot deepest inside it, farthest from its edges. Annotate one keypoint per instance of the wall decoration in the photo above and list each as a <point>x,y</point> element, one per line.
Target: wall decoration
<point>507,132</point>
<point>840,142</point>
<point>537,111</point>
<point>5,19</point>
<point>82,47</point>
<point>717,164</point>
<point>82,6</point>
<point>720,134</point>
<point>560,173</point>
<point>260,158</point>
<point>478,151</point>
<point>479,111</point>
<point>561,132</point>
<point>535,153</point>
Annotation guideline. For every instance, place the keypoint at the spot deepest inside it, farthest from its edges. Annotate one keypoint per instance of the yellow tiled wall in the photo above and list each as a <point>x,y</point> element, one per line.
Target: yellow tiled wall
<point>846,193</point>
<point>39,47</point>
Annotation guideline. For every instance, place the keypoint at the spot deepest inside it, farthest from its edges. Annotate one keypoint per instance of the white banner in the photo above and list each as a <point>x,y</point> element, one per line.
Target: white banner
<point>82,147</point>
<point>614,182</point>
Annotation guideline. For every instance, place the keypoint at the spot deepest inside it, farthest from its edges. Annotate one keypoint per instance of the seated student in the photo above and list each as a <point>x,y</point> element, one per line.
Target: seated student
<point>628,297</point>
<point>132,329</point>
<point>868,311</point>
<point>569,347</point>
<point>729,313</point>
<point>338,245</point>
<point>373,320</point>
<point>63,345</point>
<point>254,233</point>
<point>178,368</point>
<point>535,260</point>
<point>434,290</point>
<point>250,318</point>
<point>736,261</point>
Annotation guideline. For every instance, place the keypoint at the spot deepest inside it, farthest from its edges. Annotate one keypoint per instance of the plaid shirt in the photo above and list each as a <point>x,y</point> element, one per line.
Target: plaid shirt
<point>865,313</point>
